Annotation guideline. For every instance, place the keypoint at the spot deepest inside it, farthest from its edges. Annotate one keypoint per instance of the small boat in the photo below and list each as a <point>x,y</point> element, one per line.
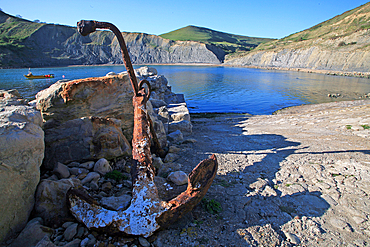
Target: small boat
<point>31,76</point>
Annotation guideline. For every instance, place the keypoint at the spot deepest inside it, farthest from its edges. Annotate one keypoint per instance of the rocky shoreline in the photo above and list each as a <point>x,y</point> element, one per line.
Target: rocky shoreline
<point>300,177</point>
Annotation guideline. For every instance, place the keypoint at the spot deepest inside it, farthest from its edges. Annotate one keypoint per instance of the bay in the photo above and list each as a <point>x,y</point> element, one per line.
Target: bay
<point>215,88</point>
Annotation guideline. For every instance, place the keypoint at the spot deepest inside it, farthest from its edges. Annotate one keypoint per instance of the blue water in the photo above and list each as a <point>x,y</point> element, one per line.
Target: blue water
<point>215,89</point>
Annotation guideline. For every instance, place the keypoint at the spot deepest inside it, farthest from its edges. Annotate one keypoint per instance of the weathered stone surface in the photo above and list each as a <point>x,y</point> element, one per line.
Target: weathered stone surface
<point>176,136</point>
<point>102,166</point>
<point>51,200</point>
<point>61,170</point>
<point>143,242</point>
<point>84,139</point>
<point>116,203</point>
<point>45,242</point>
<point>21,154</point>
<point>178,112</point>
<point>87,165</point>
<point>157,126</point>
<point>70,232</point>
<point>170,157</point>
<point>145,71</point>
<point>184,126</point>
<point>167,168</point>
<point>33,233</point>
<point>92,176</point>
<point>178,177</point>
<point>92,118</point>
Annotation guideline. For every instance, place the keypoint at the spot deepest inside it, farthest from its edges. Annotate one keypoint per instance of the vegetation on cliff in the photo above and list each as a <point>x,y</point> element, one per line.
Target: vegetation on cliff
<point>230,43</point>
<point>338,27</point>
<point>14,30</point>
<point>341,43</point>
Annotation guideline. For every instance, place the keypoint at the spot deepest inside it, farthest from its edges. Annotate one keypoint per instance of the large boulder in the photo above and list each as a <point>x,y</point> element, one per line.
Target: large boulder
<point>32,234</point>
<point>51,200</point>
<point>106,97</point>
<point>21,155</point>
<point>179,118</point>
<point>92,118</point>
<point>84,139</point>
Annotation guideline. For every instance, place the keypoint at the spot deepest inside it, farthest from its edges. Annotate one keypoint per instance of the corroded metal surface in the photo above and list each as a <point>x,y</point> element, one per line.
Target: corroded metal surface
<point>147,212</point>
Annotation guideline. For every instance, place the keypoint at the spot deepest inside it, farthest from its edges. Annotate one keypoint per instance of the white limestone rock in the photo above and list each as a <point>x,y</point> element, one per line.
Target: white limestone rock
<point>21,154</point>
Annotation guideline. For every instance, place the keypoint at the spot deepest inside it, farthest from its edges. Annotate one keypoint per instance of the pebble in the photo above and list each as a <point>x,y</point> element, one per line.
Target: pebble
<point>94,185</point>
<point>102,166</point>
<point>107,186</point>
<point>358,219</point>
<point>144,242</point>
<point>157,162</point>
<point>190,140</point>
<point>340,224</point>
<point>61,170</point>
<point>74,164</point>
<point>70,232</point>
<point>74,243</point>
<point>170,157</point>
<point>174,149</point>
<point>77,171</point>
<point>175,136</point>
<point>116,203</point>
<point>292,238</point>
<point>329,199</point>
<point>65,225</point>
<point>80,232</point>
<point>91,176</point>
<point>87,165</point>
<point>84,242</point>
<point>178,177</point>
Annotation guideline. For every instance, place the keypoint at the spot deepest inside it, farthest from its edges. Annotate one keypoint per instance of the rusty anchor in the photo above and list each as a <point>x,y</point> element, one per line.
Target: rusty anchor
<point>147,212</point>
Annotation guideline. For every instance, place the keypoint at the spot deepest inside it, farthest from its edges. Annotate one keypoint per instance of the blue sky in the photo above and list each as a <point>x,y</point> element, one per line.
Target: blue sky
<point>261,18</point>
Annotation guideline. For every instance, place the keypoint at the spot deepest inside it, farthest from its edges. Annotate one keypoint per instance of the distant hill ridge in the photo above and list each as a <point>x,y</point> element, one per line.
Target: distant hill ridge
<point>228,42</point>
<point>339,44</point>
<point>29,44</point>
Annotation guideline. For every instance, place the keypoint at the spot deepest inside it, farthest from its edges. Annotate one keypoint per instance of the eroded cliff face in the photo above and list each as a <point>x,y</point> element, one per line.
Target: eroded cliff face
<point>350,53</point>
<point>56,45</point>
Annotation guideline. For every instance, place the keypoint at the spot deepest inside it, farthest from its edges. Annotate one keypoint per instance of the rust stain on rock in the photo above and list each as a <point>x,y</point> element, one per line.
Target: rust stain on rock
<point>72,88</point>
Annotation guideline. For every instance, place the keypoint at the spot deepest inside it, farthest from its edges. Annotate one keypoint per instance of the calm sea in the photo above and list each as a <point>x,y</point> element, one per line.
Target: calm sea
<point>215,89</point>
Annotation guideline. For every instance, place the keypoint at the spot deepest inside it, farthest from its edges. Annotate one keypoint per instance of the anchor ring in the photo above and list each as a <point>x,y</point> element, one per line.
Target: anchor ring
<point>142,82</point>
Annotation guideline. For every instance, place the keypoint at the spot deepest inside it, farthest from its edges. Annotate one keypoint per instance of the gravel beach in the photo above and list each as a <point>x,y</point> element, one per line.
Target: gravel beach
<point>297,178</point>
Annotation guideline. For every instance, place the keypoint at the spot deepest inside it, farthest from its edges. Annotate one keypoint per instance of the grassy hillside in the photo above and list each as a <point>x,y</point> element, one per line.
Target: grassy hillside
<point>336,28</point>
<point>14,30</point>
<point>228,42</point>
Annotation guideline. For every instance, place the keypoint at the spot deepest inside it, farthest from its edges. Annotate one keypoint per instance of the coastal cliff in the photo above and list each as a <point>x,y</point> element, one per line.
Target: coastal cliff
<point>27,44</point>
<point>327,55</point>
<point>339,44</point>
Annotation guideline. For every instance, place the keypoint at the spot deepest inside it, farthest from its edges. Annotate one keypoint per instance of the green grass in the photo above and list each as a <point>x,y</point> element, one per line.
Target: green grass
<point>14,30</point>
<point>348,126</point>
<point>211,206</point>
<point>116,175</point>
<point>337,27</point>
<point>365,126</point>
<point>228,42</point>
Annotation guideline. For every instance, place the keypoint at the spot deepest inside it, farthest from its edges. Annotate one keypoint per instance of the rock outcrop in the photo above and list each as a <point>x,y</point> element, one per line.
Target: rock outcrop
<point>21,154</point>
<point>340,44</point>
<point>92,118</point>
<point>315,58</point>
<point>84,120</point>
<point>57,45</point>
